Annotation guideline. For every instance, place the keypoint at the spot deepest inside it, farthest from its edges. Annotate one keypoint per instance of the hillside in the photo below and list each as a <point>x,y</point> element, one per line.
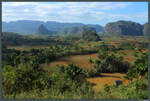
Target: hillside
<point>15,39</point>
<point>114,28</point>
<point>124,28</point>
<point>30,26</point>
<point>42,30</point>
<point>76,30</point>
<point>146,29</point>
<point>91,35</point>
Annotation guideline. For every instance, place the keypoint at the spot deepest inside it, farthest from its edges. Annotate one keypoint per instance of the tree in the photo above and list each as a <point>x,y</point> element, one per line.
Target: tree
<point>140,67</point>
<point>110,63</point>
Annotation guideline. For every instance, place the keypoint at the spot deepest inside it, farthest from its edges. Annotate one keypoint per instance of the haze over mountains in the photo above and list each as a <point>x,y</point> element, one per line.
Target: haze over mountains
<point>30,26</point>
<point>52,27</point>
<point>41,29</point>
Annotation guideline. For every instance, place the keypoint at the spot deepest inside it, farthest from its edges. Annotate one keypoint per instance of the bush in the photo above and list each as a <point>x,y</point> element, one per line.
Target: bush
<point>140,67</point>
<point>24,77</point>
<point>134,90</point>
<point>73,72</point>
<point>106,88</point>
<point>110,63</point>
<point>68,78</point>
<point>91,73</point>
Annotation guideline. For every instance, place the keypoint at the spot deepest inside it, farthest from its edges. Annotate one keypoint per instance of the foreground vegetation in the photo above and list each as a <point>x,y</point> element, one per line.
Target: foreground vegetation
<point>24,77</point>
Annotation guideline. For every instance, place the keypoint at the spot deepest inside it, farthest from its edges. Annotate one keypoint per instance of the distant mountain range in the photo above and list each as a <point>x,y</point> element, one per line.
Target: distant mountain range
<point>30,26</point>
<point>76,30</point>
<point>51,27</point>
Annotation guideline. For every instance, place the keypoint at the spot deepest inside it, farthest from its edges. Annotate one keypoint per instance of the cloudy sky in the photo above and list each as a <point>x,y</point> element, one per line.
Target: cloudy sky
<point>84,12</point>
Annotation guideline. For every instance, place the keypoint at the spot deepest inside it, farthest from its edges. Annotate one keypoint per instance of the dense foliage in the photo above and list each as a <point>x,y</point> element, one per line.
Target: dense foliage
<point>14,39</point>
<point>137,89</point>
<point>108,63</point>
<point>140,67</point>
<point>91,36</point>
<point>30,77</point>
<point>24,77</point>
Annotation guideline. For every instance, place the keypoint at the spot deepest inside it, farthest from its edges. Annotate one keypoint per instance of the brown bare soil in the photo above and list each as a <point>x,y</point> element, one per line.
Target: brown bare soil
<point>130,58</point>
<point>144,50</point>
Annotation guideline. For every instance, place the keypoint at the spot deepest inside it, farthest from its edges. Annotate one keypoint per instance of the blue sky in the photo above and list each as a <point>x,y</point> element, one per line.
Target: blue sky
<point>83,12</point>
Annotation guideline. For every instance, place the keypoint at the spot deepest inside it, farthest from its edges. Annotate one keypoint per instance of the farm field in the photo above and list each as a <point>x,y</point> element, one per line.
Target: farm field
<point>82,61</point>
<point>107,78</point>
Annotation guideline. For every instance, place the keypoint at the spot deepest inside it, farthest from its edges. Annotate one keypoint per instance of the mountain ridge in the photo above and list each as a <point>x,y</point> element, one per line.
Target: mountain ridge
<point>124,28</point>
<point>121,27</point>
<point>29,26</point>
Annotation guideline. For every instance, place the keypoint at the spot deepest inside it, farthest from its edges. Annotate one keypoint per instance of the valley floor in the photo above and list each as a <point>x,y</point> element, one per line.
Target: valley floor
<point>82,61</point>
<point>46,58</point>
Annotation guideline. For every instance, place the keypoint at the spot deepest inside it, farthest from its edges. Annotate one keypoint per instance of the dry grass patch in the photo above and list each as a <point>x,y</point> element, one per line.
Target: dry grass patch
<point>81,60</point>
<point>107,78</point>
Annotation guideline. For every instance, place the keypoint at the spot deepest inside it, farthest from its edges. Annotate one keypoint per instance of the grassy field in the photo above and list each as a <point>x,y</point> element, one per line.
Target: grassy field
<point>81,60</point>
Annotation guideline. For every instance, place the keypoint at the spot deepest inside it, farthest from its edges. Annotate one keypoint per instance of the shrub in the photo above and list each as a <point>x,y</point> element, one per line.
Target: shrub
<point>106,88</point>
<point>68,78</point>
<point>91,73</point>
<point>110,63</point>
<point>140,67</point>
<point>133,90</point>
<point>24,77</point>
<point>73,72</point>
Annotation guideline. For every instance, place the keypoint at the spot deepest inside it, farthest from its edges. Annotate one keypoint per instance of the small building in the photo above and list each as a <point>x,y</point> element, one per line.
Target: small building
<point>118,82</point>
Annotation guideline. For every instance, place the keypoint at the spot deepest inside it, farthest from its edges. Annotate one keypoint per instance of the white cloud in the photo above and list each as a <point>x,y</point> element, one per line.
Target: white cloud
<point>26,10</point>
<point>17,4</point>
<point>85,12</point>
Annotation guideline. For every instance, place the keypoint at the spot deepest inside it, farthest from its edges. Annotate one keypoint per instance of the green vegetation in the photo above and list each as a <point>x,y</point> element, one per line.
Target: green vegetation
<point>139,68</point>
<point>24,77</point>
<point>91,36</point>
<point>108,63</point>
<point>135,89</point>
<point>23,80</point>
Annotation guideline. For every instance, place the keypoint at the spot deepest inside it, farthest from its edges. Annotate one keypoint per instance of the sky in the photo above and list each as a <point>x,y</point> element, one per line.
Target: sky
<point>79,12</point>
